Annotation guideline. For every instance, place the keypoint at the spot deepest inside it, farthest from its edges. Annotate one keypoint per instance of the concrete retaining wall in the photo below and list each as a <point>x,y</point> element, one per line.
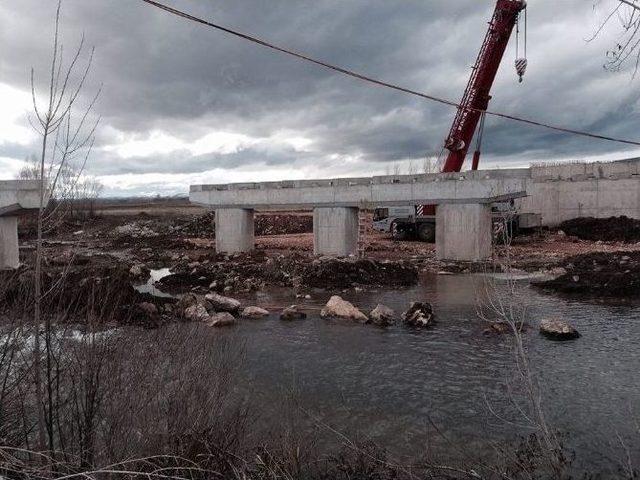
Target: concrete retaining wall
<point>601,190</point>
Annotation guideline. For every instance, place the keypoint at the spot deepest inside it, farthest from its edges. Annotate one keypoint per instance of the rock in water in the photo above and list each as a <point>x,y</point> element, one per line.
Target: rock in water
<point>382,315</point>
<point>337,307</point>
<point>292,313</point>
<point>420,314</point>
<point>557,329</point>
<point>196,313</point>
<point>254,312</point>
<point>221,303</point>
<point>222,319</point>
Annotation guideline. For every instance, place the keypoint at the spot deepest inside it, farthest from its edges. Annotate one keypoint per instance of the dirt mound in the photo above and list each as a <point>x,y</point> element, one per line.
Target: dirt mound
<point>267,224</point>
<point>602,274</point>
<point>76,290</point>
<point>256,270</point>
<point>612,229</point>
<point>283,224</point>
<point>339,273</point>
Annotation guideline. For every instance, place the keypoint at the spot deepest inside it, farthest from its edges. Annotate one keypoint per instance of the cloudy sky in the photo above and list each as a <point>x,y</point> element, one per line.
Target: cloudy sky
<point>182,103</point>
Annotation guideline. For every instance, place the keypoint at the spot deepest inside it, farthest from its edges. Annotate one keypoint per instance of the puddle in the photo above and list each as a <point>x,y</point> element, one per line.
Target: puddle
<point>150,287</point>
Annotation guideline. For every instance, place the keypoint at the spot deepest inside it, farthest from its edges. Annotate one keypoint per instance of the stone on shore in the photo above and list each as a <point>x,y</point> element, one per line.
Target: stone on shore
<point>254,312</point>
<point>337,307</point>
<point>221,303</point>
<point>292,313</point>
<point>222,319</point>
<point>196,313</point>
<point>419,315</point>
<point>557,329</point>
<point>382,315</point>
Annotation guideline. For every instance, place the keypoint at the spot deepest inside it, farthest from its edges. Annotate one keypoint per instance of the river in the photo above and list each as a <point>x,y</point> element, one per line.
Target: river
<point>449,386</point>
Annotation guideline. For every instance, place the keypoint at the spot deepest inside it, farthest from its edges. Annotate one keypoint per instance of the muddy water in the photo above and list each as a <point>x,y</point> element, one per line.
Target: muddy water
<point>395,384</point>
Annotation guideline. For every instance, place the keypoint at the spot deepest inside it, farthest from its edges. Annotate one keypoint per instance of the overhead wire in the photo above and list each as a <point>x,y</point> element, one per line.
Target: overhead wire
<point>375,81</point>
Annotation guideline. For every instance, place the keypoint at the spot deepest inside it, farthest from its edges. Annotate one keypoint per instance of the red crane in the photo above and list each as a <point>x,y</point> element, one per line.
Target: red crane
<point>477,95</point>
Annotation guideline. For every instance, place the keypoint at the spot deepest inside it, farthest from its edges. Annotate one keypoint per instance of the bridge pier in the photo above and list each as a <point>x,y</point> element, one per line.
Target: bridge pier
<point>9,253</point>
<point>234,230</point>
<point>335,231</point>
<point>463,232</point>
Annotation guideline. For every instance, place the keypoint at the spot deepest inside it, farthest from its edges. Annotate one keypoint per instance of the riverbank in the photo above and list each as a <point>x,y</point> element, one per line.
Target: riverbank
<point>114,253</point>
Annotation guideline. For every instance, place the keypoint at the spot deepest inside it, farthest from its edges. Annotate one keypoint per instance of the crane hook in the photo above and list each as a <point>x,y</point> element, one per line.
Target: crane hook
<point>521,62</point>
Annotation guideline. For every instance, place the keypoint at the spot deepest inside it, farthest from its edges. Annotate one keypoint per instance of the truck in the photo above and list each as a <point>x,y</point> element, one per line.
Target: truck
<point>419,222</point>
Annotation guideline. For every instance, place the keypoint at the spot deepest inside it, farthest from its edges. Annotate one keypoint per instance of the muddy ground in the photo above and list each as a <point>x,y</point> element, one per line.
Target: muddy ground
<point>96,262</point>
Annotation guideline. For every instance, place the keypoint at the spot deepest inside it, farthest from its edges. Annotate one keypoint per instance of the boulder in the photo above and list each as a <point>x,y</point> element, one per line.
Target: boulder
<point>557,329</point>
<point>187,300</point>
<point>337,307</point>
<point>221,303</point>
<point>420,315</point>
<point>382,315</point>
<point>292,313</point>
<point>196,313</point>
<point>254,312</point>
<point>222,319</point>
<point>136,271</point>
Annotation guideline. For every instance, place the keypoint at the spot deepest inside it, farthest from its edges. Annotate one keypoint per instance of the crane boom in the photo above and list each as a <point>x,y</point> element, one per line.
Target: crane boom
<point>478,93</point>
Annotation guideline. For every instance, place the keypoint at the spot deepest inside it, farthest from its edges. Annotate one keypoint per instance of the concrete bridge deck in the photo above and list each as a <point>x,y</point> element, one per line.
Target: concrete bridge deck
<point>463,226</point>
<point>458,188</point>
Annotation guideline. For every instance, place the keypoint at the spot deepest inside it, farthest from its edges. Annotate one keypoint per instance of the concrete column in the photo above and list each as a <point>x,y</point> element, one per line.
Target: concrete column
<point>335,231</point>
<point>234,230</point>
<point>9,257</point>
<point>463,232</point>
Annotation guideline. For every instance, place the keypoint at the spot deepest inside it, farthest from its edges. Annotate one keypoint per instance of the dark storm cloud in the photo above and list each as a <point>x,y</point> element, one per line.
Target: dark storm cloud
<point>163,73</point>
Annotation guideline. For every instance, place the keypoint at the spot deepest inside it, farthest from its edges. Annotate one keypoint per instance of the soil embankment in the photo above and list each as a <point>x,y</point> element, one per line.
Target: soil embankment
<point>613,229</point>
<point>599,274</point>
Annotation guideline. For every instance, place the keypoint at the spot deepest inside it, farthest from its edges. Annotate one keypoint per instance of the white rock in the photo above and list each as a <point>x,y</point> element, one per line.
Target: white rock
<point>557,329</point>
<point>222,319</point>
<point>382,315</point>
<point>221,303</point>
<point>136,270</point>
<point>196,313</point>
<point>254,312</point>
<point>337,307</point>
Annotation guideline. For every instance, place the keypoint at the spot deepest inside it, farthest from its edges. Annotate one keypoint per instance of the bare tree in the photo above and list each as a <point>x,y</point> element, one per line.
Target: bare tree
<point>67,134</point>
<point>503,304</point>
<point>430,164</point>
<point>627,49</point>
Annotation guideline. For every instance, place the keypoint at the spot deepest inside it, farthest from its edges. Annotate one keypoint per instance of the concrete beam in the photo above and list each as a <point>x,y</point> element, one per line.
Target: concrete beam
<point>335,231</point>
<point>467,187</point>
<point>234,230</point>
<point>463,232</point>
<point>19,196</point>
<point>16,198</point>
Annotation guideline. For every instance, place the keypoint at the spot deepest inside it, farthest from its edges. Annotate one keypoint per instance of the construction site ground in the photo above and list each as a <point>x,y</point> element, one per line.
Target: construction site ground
<point>116,252</point>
